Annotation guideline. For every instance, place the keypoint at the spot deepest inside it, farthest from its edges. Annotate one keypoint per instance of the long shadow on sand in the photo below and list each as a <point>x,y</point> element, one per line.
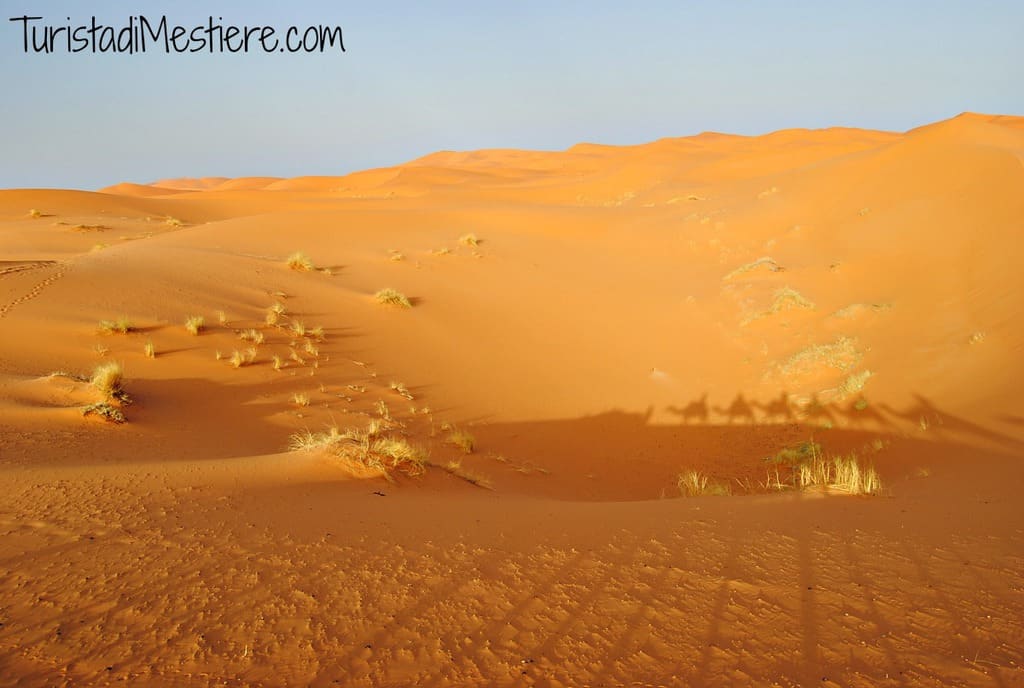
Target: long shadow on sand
<point>620,455</point>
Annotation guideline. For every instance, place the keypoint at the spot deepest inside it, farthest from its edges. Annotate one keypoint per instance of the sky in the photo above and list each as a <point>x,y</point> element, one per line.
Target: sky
<point>418,77</point>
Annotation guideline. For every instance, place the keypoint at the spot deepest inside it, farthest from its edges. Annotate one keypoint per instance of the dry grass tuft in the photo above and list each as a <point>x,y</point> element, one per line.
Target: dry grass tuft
<point>462,439</point>
<point>150,349</point>
<point>195,324</point>
<point>841,473</point>
<point>456,469</point>
<point>274,314</point>
<point>278,362</point>
<point>469,240</point>
<point>120,326</point>
<point>300,399</point>
<point>106,411</point>
<point>368,448</point>
<point>811,468</point>
<point>240,359</point>
<point>400,389</point>
<point>35,213</point>
<point>300,261</point>
<point>251,335</point>
<point>108,379</point>
<point>173,222</point>
<point>697,484</point>
<point>390,297</point>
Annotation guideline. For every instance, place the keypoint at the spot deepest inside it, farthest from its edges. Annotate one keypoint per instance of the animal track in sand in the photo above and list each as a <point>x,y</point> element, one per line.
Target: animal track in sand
<point>10,267</point>
<point>38,288</point>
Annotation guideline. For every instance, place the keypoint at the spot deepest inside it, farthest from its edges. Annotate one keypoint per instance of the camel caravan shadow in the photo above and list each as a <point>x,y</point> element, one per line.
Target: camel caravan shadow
<point>855,413</point>
<point>619,455</point>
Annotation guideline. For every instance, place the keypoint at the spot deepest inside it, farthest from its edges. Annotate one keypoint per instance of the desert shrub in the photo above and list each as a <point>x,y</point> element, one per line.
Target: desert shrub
<point>251,335</point>
<point>108,379</point>
<point>194,324</point>
<point>300,261</point>
<point>697,484</point>
<point>241,359</point>
<point>842,473</point>
<point>456,469</point>
<point>811,468</point>
<point>463,440</point>
<point>391,297</point>
<point>106,411</point>
<point>122,325</point>
<point>370,448</point>
<point>403,391</point>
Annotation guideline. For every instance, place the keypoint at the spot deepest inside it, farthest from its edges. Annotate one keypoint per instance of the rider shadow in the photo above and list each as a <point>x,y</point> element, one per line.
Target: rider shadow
<point>738,411</point>
<point>697,410</point>
<point>777,409</point>
<point>817,412</point>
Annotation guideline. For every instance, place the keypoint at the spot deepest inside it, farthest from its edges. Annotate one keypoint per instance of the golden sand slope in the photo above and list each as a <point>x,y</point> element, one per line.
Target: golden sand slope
<point>597,320</point>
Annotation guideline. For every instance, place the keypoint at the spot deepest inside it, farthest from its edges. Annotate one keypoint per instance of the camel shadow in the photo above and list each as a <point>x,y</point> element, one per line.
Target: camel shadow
<point>697,410</point>
<point>925,414</point>
<point>739,410</point>
<point>777,409</point>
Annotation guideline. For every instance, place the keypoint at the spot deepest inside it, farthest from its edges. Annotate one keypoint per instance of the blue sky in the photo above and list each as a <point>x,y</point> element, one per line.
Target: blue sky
<point>424,76</point>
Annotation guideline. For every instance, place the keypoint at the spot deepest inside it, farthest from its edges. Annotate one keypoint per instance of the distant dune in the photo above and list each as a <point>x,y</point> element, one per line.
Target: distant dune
<point>190,183</point>
<point>129,189</point>
<point>547,352</point>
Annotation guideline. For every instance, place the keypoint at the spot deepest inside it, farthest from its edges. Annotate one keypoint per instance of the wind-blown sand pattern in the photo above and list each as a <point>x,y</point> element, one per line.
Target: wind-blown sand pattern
<point>568,332</point>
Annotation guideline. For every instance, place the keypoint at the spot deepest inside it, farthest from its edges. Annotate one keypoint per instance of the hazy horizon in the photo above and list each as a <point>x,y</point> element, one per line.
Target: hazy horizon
<point>455,76</point>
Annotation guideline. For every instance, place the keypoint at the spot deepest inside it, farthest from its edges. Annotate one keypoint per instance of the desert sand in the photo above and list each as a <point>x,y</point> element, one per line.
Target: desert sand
<point>583,327</point>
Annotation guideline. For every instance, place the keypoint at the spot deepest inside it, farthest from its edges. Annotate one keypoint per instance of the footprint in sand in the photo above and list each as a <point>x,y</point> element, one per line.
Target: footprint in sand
<point>37,289</point>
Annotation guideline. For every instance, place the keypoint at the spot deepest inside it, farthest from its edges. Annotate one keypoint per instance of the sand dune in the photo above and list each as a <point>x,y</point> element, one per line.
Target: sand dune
<point>589,324</point>
<point>190,183</point>
<point>129,189</point>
